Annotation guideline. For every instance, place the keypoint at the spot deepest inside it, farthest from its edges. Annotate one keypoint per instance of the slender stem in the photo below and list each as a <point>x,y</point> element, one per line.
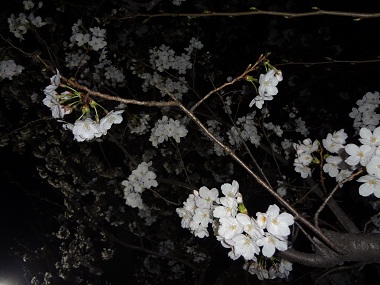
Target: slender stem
<point>332,193</point>
<point>249,69</point>
<point>256,12</point>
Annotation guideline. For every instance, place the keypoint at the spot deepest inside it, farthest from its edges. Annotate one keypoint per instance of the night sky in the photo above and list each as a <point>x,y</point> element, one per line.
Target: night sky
<point>347,65</point>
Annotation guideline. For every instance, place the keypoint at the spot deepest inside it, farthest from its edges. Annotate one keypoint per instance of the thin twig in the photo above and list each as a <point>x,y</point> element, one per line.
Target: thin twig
<point>249,69</point>
<point>255,12</point>
<point>332,193</point>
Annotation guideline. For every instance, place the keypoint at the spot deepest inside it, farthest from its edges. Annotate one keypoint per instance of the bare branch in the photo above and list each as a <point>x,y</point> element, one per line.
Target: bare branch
<point>332,193</point>
<point>255,12</point>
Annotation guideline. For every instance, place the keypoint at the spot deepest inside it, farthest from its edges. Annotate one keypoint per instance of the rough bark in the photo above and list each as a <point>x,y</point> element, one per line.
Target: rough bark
<point>356,247</point>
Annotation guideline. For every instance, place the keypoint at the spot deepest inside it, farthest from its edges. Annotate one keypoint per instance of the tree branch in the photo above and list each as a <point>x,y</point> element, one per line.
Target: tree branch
<point>256,12</point>
<point>356,247</point>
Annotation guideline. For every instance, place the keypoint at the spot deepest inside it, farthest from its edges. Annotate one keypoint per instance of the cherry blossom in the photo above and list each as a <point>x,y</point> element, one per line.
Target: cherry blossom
<point>358,154</point>
<point>229,227</point>
<point>270,243</point>
<point>373,167</point>
<point>278,224</point>
<point>245,246</point>
<point>331,165</point>
<point>371,185</point>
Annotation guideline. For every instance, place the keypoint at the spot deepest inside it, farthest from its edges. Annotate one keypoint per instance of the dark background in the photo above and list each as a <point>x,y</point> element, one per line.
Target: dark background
<point>334,58</point>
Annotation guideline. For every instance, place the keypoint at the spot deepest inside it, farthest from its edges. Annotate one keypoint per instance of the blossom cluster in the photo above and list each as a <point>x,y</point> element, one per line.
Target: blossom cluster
<point>20,25</point>
<point>344,158</point>
<point>244,130</point>
<point>267,88</point>
<point>141,178</point>
<point>164,59</point>
<point>8,69</point>
<point>167,128</point>
<point>247,237</point>
<point>85,128</point>
<point>365,114</point>
<point>93,39</point>
<point>276,270</point>
<point>96,39</point>
<point>304,156</point>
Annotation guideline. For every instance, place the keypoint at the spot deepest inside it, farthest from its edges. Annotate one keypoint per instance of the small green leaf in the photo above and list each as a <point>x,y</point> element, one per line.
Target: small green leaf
<point>242,209</point>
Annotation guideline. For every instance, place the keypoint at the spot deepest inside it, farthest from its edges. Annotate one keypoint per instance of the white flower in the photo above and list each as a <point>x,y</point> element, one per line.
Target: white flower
<point>206,197</point>
<point>371,186</point>
<point>268,83</point>
<point>97,43</point>
<point>360,154</point>
<point>373,167</point>
<point>261,219</point>
<point>28,4</point>
<point>331,167</point>
<point>343,174</point>
<point>228,208</point>
<point>86,130</point>
<point>57,110</point>
<point>284,268</point>
<point>8,69</point>
<point>258,269</point>
<point>36,21</point>
<point>186,217</point>
<point>202,217</point>
<point>369,138</point>
<point>278,224</point>
<point>304,158</point>
<point>304,170</point>
<point>258,101</point>
<point>189,204</point>
<point>98,32</point>
<point>133,199</point>
<point>81,38</point>
<point>230,190</point>
<point>270,243</point>
<point>166,128</point>
<point>229,227</point>
<point>332,145</point>
<point>148,180</point>
<point>113,117</point>
<point>245,246</point>
<point>250,226</point>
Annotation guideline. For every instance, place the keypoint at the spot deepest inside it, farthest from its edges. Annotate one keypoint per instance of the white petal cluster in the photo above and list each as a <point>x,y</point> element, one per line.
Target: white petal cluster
<point>141,178</point>
<point>276,270</point>
<point>365,114</point>
<point>304,156</point>
<point>177,2</point>
<point>368,155</point>
<point>335,142</point>
<point>84,129</point>
<point>20,25</point>
<point>167,128</point>
<point>244,130</point>
<point>96,39</point>
<point>164,60</point>
<point>87,129</point>
<point>196,212</point>
<point>53,99</point>
<point>8,69</point>
<point>267,88</point>
<point>245,236</point>
<point>139,127</point>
